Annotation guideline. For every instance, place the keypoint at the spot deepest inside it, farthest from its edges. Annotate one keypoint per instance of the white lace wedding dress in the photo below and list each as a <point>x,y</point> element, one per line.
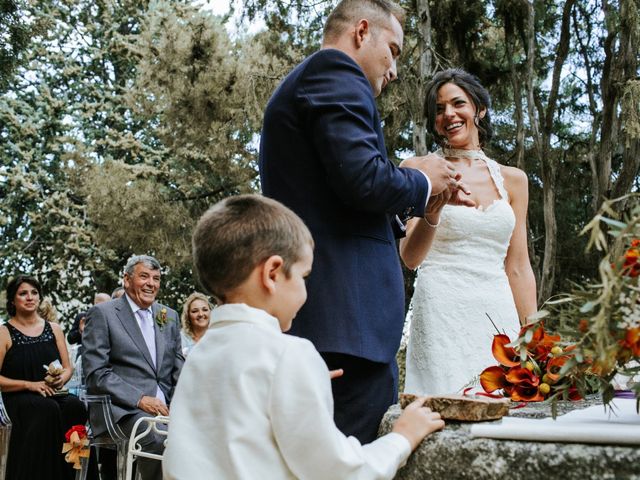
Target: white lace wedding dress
<point>459,285</point>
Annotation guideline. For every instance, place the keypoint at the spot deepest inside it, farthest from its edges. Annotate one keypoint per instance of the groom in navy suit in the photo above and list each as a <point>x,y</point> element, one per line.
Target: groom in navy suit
<point>322,154</point>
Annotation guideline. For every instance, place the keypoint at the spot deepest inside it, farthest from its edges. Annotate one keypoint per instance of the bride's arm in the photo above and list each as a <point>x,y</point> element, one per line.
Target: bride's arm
<point>421,232</point>
<point>517,264</point>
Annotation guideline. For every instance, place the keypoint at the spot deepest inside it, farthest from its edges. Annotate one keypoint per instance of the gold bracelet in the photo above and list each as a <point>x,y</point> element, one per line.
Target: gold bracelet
<point>431,224</point>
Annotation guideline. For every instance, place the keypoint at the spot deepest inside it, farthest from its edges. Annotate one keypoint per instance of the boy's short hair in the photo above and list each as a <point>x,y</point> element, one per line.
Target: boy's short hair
<point>240,232</point>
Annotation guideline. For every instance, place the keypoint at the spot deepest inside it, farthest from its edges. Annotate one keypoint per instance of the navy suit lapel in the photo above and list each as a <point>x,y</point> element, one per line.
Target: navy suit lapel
<point>130,324</point>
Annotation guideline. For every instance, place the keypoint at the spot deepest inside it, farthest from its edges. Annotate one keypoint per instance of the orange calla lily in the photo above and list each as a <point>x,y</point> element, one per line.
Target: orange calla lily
<point>541,343</point>
<point>522,376</point>
<point>554,366</point>
<point>506,356</point>
<point>632,341</point>
<point>526,394</point>
<point>492,379</point>
<point>631,264</point>
<point>574,394</point>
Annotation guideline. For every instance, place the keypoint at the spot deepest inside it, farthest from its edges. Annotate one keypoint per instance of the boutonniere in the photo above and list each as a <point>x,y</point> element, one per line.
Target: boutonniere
<point>161,318</point>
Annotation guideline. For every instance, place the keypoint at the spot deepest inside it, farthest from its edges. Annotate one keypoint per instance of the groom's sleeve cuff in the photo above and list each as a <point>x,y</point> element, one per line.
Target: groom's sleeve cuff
<point>428,190</point>
<point>420,207</point>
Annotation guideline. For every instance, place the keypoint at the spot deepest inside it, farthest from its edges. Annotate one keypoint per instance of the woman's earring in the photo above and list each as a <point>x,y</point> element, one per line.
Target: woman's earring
<point>476,120</point>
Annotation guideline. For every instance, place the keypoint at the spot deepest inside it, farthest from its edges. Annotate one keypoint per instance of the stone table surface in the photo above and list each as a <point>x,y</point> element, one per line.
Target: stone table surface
<point>453,454</point>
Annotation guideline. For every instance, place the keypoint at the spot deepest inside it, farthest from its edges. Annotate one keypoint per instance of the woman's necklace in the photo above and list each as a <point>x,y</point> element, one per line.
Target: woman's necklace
<point>460,153</point>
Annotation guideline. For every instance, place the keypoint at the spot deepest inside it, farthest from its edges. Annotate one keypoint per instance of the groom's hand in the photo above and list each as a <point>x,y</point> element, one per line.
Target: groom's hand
<point>440,172</point>
<point>435,205</point>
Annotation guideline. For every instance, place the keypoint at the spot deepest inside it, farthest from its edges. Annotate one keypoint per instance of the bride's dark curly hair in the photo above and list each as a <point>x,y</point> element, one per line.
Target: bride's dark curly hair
<point>476,92</point>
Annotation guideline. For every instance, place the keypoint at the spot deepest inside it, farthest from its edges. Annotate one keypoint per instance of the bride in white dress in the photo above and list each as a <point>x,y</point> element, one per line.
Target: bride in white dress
<point>473,262</point>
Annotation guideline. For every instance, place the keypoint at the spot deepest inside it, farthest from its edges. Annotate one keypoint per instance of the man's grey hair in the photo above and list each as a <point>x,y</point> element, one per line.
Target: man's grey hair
<point>146,260</point>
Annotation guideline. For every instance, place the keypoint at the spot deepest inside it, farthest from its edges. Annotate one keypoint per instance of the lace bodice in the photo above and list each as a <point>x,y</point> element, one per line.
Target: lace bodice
<point>474,238</point>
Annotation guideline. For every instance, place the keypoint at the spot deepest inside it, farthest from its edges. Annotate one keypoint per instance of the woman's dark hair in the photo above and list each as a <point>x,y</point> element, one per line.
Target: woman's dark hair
<point>472,87</point>
<point>12,289</point>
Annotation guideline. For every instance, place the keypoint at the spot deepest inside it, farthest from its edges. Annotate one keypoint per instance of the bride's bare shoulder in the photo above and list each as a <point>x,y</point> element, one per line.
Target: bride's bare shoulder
<point>513,175</point>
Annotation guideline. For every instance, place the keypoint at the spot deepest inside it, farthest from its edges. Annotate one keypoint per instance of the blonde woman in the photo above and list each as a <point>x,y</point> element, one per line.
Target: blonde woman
<point>196,313</point>
<point>47,311</point>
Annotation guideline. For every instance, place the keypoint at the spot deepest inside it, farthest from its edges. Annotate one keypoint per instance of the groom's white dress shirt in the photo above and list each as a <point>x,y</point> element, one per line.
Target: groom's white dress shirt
<point>253,403</point>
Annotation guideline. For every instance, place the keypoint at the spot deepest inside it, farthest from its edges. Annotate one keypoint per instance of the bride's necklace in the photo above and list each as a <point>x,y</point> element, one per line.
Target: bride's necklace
<point>461,153</point>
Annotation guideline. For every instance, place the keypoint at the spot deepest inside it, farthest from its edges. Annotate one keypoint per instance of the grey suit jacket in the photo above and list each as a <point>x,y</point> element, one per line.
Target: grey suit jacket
<point>116,360</point>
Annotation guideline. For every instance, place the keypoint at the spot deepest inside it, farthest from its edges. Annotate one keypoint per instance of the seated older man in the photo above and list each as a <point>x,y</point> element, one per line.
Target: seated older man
<point>132,351</point>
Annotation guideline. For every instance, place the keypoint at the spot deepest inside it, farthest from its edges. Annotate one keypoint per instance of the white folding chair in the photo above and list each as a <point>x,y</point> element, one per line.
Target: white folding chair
<point>135,449</point>
<point>114,438</point>
<point>5,435</point>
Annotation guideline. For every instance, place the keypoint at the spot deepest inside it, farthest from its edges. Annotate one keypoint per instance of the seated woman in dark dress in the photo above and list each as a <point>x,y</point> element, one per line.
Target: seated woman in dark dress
<point>39,416</point>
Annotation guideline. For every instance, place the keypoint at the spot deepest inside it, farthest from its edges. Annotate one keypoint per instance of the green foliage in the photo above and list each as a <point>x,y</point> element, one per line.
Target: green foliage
<point>123,121</point>
<point>16,30</point>
<point>603,316</point>
<point>127,122</point>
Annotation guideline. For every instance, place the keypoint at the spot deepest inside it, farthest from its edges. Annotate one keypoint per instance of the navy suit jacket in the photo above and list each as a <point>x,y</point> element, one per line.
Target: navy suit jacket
<point>322,154</point>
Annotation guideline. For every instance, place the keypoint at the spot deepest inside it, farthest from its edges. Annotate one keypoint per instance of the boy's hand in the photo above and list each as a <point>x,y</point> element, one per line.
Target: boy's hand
<point>417,421</point>
<point>336,373</point>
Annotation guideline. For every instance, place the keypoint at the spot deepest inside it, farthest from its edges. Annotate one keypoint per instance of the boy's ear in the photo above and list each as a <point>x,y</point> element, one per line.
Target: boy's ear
<point>271,269</point>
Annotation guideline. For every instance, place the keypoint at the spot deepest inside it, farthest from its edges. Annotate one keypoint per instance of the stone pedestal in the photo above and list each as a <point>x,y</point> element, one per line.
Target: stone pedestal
<point>453,454</point>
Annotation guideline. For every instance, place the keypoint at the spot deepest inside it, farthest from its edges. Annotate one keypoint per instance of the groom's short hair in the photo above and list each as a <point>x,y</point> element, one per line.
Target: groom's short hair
<point>348,12</point>
<point>240,232</point>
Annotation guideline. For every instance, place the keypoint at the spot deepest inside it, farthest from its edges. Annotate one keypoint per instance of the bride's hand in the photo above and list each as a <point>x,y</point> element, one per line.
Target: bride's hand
<point>437,202</point>
<point>459,197</point>
<point>435,205</point>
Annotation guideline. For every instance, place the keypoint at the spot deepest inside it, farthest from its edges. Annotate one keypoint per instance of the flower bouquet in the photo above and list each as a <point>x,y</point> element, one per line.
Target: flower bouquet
<point>530,368</point>
<point>600,325</point>
<point>54,369</point>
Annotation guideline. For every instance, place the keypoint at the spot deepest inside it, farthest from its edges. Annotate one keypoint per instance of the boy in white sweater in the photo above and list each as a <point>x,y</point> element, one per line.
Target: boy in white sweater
<point>251,402</point>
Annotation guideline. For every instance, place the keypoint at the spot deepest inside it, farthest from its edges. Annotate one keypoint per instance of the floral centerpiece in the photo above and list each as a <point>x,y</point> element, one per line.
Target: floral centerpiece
<point>600,325</point>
